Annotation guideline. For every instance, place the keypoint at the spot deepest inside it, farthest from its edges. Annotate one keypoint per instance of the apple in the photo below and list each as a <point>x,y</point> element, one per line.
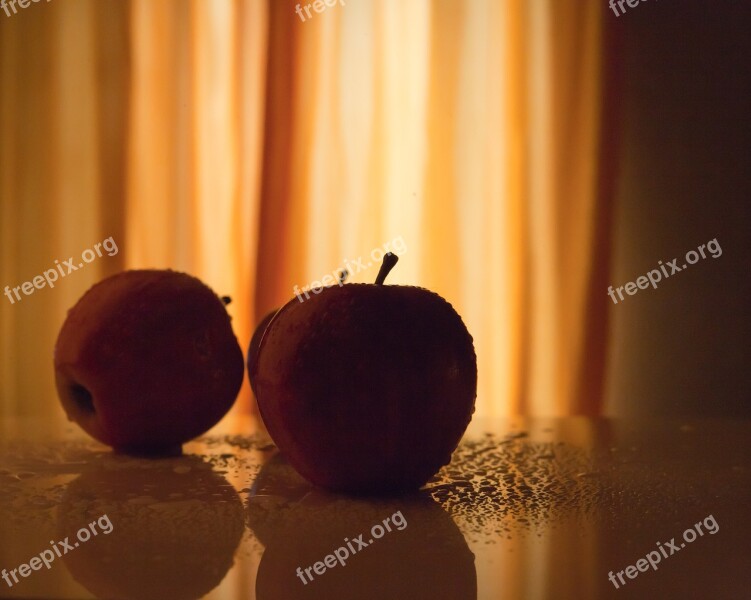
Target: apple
<point>421,554</point>
<point>176,525</point>
<point>147,360</point>
<point>367,388</point>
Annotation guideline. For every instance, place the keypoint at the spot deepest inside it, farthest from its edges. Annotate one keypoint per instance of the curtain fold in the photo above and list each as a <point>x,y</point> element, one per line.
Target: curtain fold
<point>62,133</point>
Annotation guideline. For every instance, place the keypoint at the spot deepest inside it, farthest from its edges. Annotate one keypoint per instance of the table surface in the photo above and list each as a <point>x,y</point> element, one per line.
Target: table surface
<point>527,509</point>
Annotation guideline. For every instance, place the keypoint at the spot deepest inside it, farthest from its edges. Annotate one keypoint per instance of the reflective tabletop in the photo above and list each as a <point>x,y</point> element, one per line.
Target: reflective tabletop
<point>559,508</point>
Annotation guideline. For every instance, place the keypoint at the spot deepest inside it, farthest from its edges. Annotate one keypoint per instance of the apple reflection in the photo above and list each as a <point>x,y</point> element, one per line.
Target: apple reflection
<point>175,527</point>
<point>424,555</point>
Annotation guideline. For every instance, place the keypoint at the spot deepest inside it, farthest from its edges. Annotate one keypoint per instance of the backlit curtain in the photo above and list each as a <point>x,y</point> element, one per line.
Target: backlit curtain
<point>260,151</point>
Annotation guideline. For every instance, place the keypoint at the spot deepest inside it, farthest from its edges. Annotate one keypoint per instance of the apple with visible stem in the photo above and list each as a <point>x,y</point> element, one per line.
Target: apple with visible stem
<point>147,360</point>
<point>367,388</point>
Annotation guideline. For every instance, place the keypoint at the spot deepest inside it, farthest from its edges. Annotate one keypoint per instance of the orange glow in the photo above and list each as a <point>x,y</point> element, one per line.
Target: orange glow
<point>260,152</point>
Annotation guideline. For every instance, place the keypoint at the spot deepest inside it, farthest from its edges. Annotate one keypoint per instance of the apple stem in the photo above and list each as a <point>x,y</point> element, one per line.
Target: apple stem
<point>389,260</point>
<point>343,274</point>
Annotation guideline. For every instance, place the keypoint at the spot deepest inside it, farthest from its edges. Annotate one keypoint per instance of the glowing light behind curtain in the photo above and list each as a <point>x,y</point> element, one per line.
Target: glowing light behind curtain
<point>567,212</point>
<point>61,139</point>
<point>471,130</point>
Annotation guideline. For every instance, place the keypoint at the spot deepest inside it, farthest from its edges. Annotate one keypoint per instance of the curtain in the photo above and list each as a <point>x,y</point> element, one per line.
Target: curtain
<point>261,149</point>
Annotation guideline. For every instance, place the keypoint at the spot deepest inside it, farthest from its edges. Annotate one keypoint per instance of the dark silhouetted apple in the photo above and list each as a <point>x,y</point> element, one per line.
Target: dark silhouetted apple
<point>367,388</point>
<point>421,553</point>
<point>146,360</point>
<point>175,527</point>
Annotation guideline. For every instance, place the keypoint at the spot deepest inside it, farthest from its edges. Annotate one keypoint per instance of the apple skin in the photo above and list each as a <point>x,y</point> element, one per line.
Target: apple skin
<point>147,360</point>
<point>367,388</point>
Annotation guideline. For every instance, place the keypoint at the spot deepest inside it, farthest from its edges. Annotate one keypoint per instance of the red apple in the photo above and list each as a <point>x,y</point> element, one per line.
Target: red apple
<point>147,360</point>
<point>367,388</point>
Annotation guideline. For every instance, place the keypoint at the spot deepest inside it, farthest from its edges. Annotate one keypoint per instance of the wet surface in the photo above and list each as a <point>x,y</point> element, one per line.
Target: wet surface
<point>527,509</point>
